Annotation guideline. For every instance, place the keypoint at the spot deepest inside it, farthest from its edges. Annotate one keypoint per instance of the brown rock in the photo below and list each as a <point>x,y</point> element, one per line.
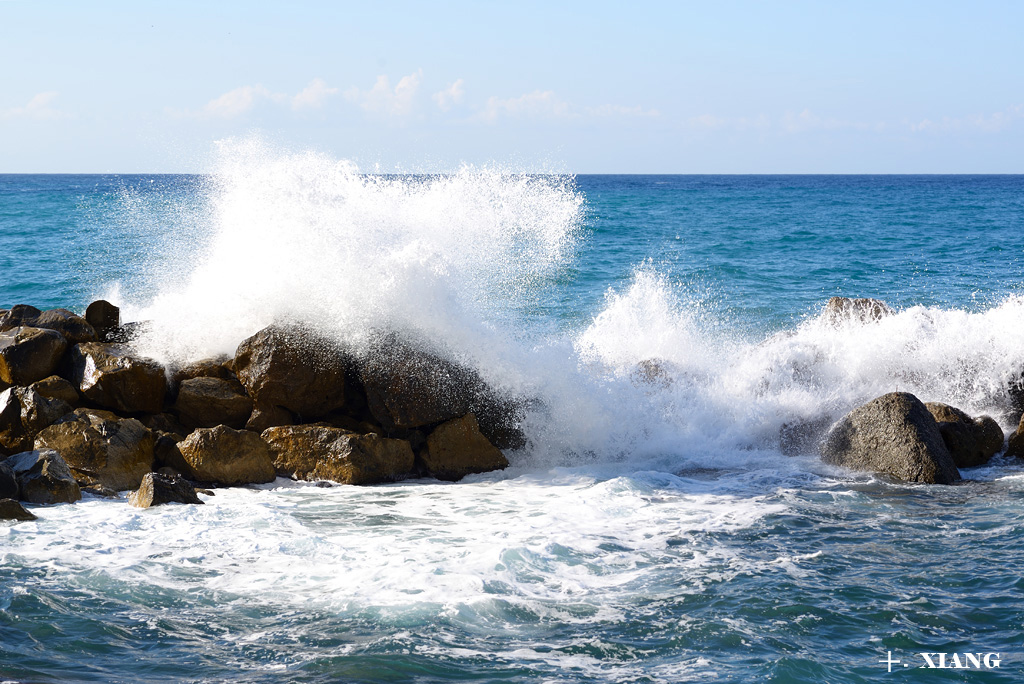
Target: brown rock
<point>457,448</point>
<point>215,367</point>
<point>167,454</point>
<point>293,369</point>
<point>12,510</point>
<point>157,489</point>
<point>843,309</point>
<point>971,441</point>
<point>44,477</point>
<point>101,448</point>
<point>894,435</point>
<point>316,452</point>
<point>226,456</point>
<point>165,422</point>
<point>28,355</point>
<point>103,317</point>
<point>23,413</point>
<point>211,401</point>
<point>17,316</point>
<point>114,377</point>
<point>57,387</point>
<point>73,327</point>
<point>1015,448</point>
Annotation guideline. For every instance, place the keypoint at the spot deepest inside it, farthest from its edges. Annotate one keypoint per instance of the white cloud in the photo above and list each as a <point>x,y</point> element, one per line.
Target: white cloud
<point>37,108</point>
<point>382,98</point>
<point>991,123</point>
<point>535,105</point>
<point>237,101</point>
<point>313,95</point>
<point>619,110</point>
<point>450,96</point>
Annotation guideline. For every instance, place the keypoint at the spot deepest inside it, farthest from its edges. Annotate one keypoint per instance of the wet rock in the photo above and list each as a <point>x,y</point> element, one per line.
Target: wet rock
<point>457,448</point>
<point>114,377</point>
<point>8,482</point>
<point>843,309</point>
<point>23,413</point>
<point>226,456</point>
<point>407,387</point>
<point>56,387</point>
<point>12,510</point>
<point>101,491</point>
<point>894,435</point>
<point>101,448</point>
<point>166,453</point>
<point>803,436</point>
<point>157,490</point>
<point>18,316</point>
<point>290,371</point>
<point>316,452</point>
<point>212,401</point>
<point>28,355</point>
<point>127,332</point>
<point>103,317</point>
<point>44,477</point>
<point>215,367</point>
<point>165,422</point>
<point>971,441</point>
<point>73,327</point>
<point>1015,448</point>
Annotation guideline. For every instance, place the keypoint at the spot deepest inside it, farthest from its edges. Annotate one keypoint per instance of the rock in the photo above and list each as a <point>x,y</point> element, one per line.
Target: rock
<point>23,413</point>
<point>127,332</point>
<point>73,327</point>
<point>216,367</point>
<point>165,422</point>
<point>101,491</point>
<point>44,477</point>
<point>894,435</point>
<point>1015,448</point>
<point>8,482</point>
<point>167,454</point>
<point>843,309</point>
<point>28,355</point>
<point>226,456</point>
<point>18,316</point>
<point>103,317</point>
<point>457,448</point>
<point>316,452</point>
<point>56,387</point>
<point>211,401</point>
<point>971,441</point>
<point>12,510</point>
<point>112,376</point>
<point>802,436</point>
<point>409,388</point>
<point>101,448</point>
<point>293,369</point>
<point>157,489</point>
<point>1015,391</point>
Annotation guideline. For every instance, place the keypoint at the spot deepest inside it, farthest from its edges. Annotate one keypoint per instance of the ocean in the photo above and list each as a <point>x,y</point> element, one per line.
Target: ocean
<point>652,530</point>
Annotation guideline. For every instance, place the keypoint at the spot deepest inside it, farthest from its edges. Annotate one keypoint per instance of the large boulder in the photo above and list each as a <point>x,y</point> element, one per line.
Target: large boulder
<point>864,310</point>
<point>8,482</point>
<point>457,448</point>
<point>17,316</point>
<point>292,374</point>
<point>12,510</point>
<point>971,441</point>
<point>407,387</point>
<point>101,448</point>
<point>1015,447</point>
<point>114,377</point>
<point>56,387</point>
<point>211,401</point>
<point>157,489</point>
<point>69,324</point>
<point>29,354</point>
<point>894,435</point>
<point>226,456</point>
<point>317,452</point>
<point>44,477</point>
<point>23,413</point>
<point>103,317</point>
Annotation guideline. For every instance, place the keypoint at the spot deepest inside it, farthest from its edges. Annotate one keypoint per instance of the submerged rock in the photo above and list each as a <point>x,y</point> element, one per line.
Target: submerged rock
<point>226,456</point>
<point>894,435</point>
<point>101,447</point>
<point>23,413</point>
<point>114,377</point>
<point>292,373</point>
<point>212,401</point>
<point>865,310</point>
<point>29,354</point>
<point>12,510</point>
<point>157,489</point>
<point>44,477</point>
<point>971,441</point>
<point>317,452</point>
<point>457,448</point>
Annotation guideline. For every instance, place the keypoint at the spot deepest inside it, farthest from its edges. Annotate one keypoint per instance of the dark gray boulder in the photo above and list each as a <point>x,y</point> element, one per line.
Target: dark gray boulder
<point>8,482</point>
<point>114,377</point>
<point>894,435</point>
<point>103,317</point>
<point>29,354</point>
<point>44,477</point>
<point>971,441</point>
<point>157,489</point>
<point>12,510</point>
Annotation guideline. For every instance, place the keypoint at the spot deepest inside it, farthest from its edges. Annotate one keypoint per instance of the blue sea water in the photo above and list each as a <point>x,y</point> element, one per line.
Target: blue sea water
<point>652,531</point>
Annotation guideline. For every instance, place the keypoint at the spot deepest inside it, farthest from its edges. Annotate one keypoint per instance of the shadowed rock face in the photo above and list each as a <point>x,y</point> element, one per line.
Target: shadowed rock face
<point>114,377</point>
<point>226,456</point>
<point>292,374</point>
<point>29,354</point>
<point>894,435</point>
<point>44,477</point>
<point>103,317</point>
<point>157,489</point>
<point>23,413</point>
<point>317,452</point>
<point>457,448</point>
<point>12,510</point>
<point>1015,448</point>
<point>971,441</point>
<point>208,402</point>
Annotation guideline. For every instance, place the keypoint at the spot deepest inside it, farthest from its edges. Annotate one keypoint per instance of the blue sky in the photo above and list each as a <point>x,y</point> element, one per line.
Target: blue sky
<point>584,87</point>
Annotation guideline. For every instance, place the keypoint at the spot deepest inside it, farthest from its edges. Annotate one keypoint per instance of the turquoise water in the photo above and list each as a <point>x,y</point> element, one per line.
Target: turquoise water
<point>650,532</point>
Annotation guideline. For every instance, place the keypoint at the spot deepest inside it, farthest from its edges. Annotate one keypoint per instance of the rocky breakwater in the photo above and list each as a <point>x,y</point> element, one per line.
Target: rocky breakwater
<point>82,410</point>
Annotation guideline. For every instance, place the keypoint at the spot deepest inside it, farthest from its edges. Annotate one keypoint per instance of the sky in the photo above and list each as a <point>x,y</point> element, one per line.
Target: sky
<point>577,87</point>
